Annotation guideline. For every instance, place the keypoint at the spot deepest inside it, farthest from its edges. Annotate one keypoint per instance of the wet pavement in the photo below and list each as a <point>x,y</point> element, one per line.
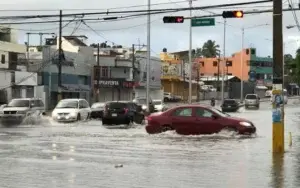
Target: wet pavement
<point>85,155</point>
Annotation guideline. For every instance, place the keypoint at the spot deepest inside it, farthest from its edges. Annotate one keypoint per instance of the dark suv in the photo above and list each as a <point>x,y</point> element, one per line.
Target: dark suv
<point>230,105</point>
<point>122,112</point>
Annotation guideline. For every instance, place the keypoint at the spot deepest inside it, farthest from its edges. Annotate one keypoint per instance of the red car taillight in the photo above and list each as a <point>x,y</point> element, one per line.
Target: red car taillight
<point>126,110</point>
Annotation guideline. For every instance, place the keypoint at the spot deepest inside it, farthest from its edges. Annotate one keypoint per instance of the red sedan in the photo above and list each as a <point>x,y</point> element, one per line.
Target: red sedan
<point>195,120</point>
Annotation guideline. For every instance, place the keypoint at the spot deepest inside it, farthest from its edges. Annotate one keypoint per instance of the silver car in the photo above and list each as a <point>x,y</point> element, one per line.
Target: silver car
<point>17,109</point>
<point>252,100</point>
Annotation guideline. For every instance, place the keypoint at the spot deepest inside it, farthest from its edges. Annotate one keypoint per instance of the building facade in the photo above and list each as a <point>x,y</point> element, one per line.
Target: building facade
<point>175,75</point>
<point>155,86</point>
<point>262,66</point>
<point>113,79</point>
<point>15,82</point>
<point>77,65</point>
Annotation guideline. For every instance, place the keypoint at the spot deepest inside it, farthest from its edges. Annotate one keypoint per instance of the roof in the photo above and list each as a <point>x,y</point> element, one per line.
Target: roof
<point>74,41</point>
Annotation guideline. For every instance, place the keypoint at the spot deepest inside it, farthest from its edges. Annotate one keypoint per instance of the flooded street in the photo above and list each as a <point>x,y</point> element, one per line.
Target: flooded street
<point>86,155</point>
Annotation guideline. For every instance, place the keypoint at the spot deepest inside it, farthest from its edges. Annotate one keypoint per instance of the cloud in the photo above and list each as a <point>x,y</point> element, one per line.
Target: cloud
<point>171,36</point>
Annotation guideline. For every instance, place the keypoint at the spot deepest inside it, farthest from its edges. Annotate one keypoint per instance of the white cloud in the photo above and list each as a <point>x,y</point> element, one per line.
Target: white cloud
<point>172,36</point>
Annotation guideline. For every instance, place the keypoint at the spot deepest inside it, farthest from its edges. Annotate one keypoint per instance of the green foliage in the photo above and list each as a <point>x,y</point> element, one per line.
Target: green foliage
<point>209,49</point>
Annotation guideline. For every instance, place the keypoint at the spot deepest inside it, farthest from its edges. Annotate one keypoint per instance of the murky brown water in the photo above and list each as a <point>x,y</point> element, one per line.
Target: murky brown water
<point>85,155</point>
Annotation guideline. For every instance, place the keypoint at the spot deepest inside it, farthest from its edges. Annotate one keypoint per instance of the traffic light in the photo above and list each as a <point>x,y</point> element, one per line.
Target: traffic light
<point>233,14</point>
<point>173,19</point>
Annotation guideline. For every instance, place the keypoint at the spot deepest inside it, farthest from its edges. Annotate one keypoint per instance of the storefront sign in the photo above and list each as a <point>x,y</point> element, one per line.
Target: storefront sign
<point>109,83</point>
<point>115,83</point>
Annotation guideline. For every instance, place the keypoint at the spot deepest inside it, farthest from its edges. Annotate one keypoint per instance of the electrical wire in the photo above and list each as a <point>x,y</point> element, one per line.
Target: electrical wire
<point>135,11</point>
<point>86,9</point>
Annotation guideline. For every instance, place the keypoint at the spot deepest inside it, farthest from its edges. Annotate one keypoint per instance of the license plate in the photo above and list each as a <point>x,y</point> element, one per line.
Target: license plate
<point>229,106</point>
<point>114,115</point>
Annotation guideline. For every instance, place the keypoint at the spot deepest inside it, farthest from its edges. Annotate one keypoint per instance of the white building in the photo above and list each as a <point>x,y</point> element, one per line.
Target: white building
<point>77,66</point>
<point>15,82</point>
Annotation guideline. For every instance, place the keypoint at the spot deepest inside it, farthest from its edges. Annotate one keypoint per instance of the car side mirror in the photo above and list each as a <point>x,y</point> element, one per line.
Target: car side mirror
<point>214,116</point>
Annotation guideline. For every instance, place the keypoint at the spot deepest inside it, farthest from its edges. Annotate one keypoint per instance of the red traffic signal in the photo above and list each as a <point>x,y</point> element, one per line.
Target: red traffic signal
<point>233,14</point>
<point>173,19</point>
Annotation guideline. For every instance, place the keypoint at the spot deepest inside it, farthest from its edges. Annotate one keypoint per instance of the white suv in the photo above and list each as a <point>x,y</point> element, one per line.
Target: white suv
<point>17,109</point>
<point>68,110</point>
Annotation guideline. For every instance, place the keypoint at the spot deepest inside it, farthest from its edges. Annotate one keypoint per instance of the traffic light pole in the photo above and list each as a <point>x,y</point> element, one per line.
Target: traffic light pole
<point>278,108</point>
<point>224,60</point>
<point>242,65</point>
<point>148,55</point>
<point>190,56</point>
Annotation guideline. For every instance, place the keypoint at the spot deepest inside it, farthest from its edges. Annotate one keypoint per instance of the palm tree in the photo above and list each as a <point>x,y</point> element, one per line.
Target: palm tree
<point>210,49</point>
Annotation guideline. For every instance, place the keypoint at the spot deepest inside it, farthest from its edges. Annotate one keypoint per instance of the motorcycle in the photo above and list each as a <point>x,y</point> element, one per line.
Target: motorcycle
<point>212,102</point>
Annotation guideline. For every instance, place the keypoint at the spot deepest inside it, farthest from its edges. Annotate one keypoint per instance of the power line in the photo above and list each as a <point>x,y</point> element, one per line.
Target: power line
<point>135,11</point>
<point>86,9</point>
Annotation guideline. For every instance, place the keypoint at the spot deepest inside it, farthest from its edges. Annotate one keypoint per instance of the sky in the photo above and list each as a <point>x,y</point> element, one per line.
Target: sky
<point>174,37</point>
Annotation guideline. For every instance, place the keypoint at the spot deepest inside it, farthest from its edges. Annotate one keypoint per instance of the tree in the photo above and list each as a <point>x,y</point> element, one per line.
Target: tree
<point>198,52</point>
<point>210,49</point>
<point>94,45</point>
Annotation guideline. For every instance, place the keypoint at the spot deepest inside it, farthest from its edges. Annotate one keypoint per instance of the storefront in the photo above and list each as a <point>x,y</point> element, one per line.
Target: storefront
<point>113,89</point>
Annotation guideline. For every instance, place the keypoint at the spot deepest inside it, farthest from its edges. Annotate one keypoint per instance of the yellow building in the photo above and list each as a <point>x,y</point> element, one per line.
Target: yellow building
<point>172,78</point>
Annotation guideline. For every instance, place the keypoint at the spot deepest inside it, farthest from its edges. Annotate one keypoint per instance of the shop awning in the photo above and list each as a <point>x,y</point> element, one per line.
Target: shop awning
<point>70,88</point>
<point>84,87</point>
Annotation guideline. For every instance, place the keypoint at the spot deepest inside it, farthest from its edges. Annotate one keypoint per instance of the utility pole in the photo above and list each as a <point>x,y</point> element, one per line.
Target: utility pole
<point>242,65</point>
<point>224,60</point>
<point>133,66</point>
<point>190,55</point>
<point>198,87</point>
<point>98,69</point>
<point>277,92</point>
<point>148,54</point>
<point>59,96</point>
<point>218,78</point>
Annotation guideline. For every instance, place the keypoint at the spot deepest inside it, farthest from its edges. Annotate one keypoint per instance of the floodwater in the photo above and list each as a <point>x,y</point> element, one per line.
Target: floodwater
<point>85,155</point>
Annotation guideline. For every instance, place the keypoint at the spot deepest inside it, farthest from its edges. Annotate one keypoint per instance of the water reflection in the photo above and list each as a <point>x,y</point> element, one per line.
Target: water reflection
<point>277,172</point>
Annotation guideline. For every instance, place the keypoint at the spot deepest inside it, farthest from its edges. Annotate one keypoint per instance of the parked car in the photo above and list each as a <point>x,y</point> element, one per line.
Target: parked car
<point>70,110</point>
<point>195,120</point>
<point>252,100</point>
<point>97,110</point>
<point>143,103</point>
<point>122,112</point>
<point>230,105</point>
<point>18,109</point>
<point>159,106</point>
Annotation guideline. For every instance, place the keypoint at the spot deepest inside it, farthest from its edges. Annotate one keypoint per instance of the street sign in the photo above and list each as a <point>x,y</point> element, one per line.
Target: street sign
<point>202,22</point>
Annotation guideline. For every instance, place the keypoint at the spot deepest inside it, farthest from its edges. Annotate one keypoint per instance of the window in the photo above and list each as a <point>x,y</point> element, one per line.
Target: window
<point>229,74</point>
<point>183,112</point>
<point>215,74</point>
<point>85,104</point>
<point>3,59</point>
<point>104,72</point>
<point>200,112</point>
<point>202,63</point>
<point>252,51</point>
<point>215,63</point>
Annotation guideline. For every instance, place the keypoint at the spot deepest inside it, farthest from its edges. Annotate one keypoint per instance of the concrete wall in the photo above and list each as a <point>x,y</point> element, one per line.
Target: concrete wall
<point>155,71</point>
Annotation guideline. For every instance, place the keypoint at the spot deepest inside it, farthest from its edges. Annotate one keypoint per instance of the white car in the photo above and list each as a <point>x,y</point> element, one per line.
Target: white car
<point>69,110</point>
<point>159,105</point>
